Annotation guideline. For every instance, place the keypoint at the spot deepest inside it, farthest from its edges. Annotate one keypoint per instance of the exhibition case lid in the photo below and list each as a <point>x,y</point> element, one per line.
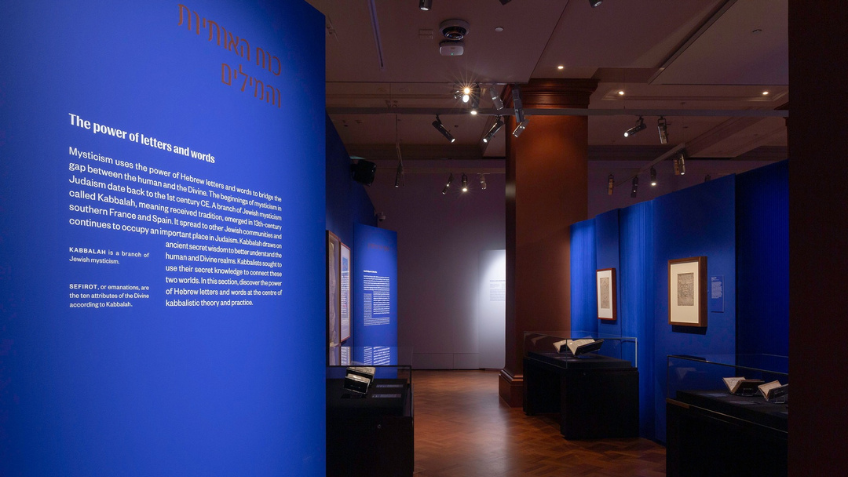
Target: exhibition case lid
<point>571,347</point>
<point>725,373</point>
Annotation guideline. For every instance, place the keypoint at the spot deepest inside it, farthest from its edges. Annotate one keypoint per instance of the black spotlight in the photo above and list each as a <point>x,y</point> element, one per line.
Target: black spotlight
<point>640,125</point>
<point>635,187</point>
<point>442,129</point>
<point>364,171</point>
<point>595,3</point>
<point>425,4</point>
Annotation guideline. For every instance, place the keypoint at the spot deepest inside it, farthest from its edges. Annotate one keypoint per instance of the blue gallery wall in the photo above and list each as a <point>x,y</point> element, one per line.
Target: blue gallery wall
<point>762,230</point>
<point>347,201</point>
<point>153,156</point>
<point>698,221</point>
<point>607,249</point>
<point>584,304</point>
<point>375,313</point>
<point>637,279</point>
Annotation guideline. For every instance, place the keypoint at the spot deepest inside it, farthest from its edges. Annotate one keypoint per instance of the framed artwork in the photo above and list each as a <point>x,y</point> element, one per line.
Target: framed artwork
<point>333,297</point>
<point>606,294</point>
<point>687,291</point>
<point>344,295</point>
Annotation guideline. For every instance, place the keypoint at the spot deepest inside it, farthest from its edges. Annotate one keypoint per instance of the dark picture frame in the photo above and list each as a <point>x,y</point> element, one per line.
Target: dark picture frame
<point>687,292</point>
<point>606,294</point>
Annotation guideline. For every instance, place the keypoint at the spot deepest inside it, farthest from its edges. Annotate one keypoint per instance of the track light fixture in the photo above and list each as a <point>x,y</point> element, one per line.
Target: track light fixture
<point>464,183</point>
<point>708,178</point>
<point>441,128</point>
<point>640,125</point>
<point>399,176</point>
<point>475,99</point>
<point>483,181</point>
<point>653,177</point>
<point>610,184</point>
<point>680,163</point>
<point>595,3</point>
<point>497,102</point>
<point>520,128</point>
<point>520,120</point>
<point>466,94</point>
<point>635,187</point>
<point>447,185</point>
<point>425,4</point>
<point>662,127</point>
<point>494,129</point>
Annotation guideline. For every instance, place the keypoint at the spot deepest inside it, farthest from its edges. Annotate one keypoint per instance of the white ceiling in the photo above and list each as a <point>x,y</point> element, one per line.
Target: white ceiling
<point>665,54</point>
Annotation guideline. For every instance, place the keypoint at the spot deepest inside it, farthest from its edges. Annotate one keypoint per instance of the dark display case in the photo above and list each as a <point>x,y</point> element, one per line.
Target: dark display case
<point>596,394</point>
<point>711,431</point>
<point>371,434</point>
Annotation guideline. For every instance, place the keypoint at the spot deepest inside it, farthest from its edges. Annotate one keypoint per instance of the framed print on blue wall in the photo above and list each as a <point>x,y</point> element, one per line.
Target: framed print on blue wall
<point>606,294</point>
<point>687,292</point>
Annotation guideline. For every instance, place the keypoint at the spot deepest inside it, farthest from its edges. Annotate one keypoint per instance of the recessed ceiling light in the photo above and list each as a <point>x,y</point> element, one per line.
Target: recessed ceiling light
<point>765,93</point>
<point>560,67</point>
<point>621,92</point>
<point>498,29</point>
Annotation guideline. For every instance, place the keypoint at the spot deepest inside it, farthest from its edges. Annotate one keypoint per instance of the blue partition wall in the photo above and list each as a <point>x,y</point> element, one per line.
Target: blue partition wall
<point>375,295</point>
<point>740,223</point>
<point>162,217</point>
<point>698,221</point>
<point>762,228</point>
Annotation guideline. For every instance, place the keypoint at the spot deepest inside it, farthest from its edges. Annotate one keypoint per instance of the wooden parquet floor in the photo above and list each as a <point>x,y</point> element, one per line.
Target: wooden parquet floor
<point>463,429</point>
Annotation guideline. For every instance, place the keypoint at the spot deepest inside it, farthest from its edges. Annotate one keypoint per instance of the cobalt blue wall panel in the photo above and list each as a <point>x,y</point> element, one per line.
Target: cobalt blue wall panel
<point>762,263</point>
<point>375,295</point>
<point>584,305</point>
<point>698,221</point>
<point>636,282</point>
<point>347,201</point>
<point>162,228</point>
<point>607,249</point>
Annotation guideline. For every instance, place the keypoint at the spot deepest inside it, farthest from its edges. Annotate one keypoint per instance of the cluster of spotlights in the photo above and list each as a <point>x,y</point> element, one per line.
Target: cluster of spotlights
<point>679,163</point>
<point>463,182</point>
<point>662,128</point>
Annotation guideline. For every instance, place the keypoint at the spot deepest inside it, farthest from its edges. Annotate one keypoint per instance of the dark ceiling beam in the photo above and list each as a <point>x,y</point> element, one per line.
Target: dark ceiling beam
<point>730,113</point>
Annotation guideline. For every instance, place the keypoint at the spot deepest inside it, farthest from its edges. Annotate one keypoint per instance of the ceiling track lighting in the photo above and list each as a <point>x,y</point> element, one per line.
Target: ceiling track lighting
<point>442,129</point>
<point>520,120</point>
<point>399,176</point>
<point>708,178</point>
<point>483,181</point>
<point>520,128</point>
<point>662,127</point>
<point>494,129</point>
<point>635,187</point>
<point>595,3</point>
<point>653,177</point>
<point>680,163</point>
<point>610,184</point>
<point>475,99</point>
<point>464,183</point>
<point>640,125</point>
<point>425,4</point>
<point>447,185</point>
<point>465,94</point>
<point>497,102</point>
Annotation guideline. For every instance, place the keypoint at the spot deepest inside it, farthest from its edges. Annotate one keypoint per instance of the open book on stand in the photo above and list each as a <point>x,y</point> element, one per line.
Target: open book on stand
<point>578,347</point>
<point>740,385</point>
<point>773,390</point>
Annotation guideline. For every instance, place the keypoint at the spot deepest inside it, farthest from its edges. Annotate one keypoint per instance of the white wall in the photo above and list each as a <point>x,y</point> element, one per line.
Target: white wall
<point>440,238</point>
